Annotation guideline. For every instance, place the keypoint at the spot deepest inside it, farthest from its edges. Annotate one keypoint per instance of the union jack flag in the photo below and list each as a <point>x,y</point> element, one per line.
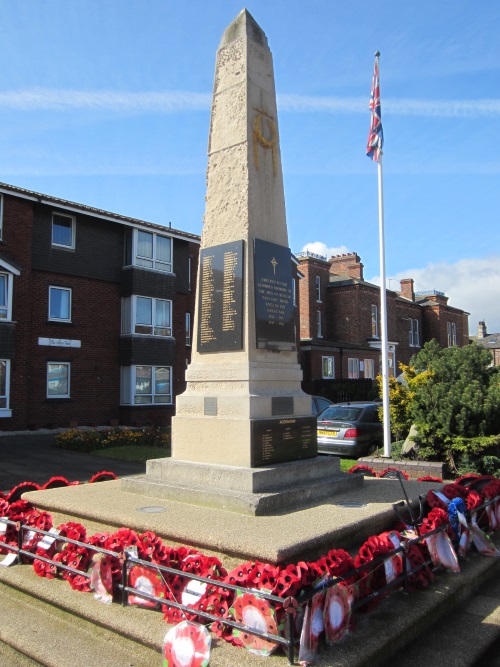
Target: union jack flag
<point>376,134</point>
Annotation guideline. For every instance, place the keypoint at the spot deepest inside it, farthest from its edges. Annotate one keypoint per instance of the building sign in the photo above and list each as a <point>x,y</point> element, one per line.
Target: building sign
<point>59,342</point>
<point>280,440</point>
<point>220,300</point>
<point>274,307</point>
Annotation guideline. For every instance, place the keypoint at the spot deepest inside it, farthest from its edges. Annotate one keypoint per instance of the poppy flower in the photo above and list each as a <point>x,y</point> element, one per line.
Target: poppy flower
<point>257,614</point>
<point>187,645</point>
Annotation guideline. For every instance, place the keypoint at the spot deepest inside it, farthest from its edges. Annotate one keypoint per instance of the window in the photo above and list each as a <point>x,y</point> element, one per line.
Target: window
<point>4,388</point>
<point>369,367</point>
<point>318,289</point>
<point>452,334</point>
<point>146,385</point>
<point>153,251</point>
<point>318,323</point>
<point>353,369</point>
<point>188,328</point>
<point>1,216</point>
<point>63,231</point>
<point>374,321</point>
<point>329,367</point>
<point>414,333</point>
<point>58,376</point>
<point>146,316</point>
<point>60,304</point>
<point>5,300</point>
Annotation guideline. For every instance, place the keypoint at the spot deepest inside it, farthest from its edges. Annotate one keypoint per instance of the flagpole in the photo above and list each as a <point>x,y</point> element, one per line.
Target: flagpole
<point>383,314</point>
<point>374,152</point>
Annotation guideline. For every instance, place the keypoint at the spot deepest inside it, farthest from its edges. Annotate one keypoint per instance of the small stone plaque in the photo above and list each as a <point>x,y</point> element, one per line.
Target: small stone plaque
<point>210,406</point>
<point>274,307</point>
<point>280,440</point>
<point>281,405</point>
<point>220,301</point>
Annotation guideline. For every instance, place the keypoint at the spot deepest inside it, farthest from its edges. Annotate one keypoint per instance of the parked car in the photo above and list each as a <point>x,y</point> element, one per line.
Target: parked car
<point>319,403</point>
<point>351,429</point>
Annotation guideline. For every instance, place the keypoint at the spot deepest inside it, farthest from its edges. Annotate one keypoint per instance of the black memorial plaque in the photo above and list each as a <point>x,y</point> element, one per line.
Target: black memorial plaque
<point>220,301</point>
<point>280,440</point>
<point>274,307</point>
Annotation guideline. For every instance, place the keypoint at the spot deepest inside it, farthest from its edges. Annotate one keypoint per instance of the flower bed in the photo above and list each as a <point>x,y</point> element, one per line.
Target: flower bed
<point>88,440</point>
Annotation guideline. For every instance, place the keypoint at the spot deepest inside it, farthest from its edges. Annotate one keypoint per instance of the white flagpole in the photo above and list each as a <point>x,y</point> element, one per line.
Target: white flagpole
<point>383,315</point>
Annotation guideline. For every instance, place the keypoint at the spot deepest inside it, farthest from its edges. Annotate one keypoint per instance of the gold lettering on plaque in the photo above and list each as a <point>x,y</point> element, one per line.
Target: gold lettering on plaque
<point>259,138</point>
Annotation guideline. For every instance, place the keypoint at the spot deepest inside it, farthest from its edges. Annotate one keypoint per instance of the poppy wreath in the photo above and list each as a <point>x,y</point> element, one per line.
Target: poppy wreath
<point>362,468</point>
<point>417,555</point>
<point>490,491</point>
<point>389,470</point>
<point>433,500</point>
<point>430,478</point>
<point>55,483</point>
<point>372,579</point>
<point>17,491</point>
<point>103,476</point>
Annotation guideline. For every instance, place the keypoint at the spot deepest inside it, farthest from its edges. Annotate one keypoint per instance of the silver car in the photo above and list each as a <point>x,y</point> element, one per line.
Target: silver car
<point>350,429</point>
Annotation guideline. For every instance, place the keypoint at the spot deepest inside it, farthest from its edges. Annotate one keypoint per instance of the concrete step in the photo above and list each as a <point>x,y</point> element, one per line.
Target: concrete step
<point>54,638</point>
<point>9,657</point>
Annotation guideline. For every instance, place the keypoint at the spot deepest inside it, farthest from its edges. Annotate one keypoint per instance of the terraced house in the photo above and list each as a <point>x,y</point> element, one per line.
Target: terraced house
<point>95,314</point>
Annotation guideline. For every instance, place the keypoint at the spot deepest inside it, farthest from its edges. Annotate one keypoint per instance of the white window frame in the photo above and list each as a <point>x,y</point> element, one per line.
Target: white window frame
<point>128,394</point>
<point>5,410</point>
<point>318,289</point>
<point>62,289</point>
<point>188,329</point>
<point>6,309</point>
<point>328,368</point>
<point>68,366</point>
<point>319,324</point>
<point>452,334</point>
<point>414,333</point>
<point>66,246</point>
<point>1,217</point>
<point>374,310</point>
<point>353,368</point>
<point>152,263</point>
<point>129,317</point>
<point>369,365</point>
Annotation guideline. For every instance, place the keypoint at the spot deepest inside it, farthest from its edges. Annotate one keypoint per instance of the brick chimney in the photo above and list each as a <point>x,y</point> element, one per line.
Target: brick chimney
<point>349,264</point>
<point>407,289</point>
<point>481,330</point>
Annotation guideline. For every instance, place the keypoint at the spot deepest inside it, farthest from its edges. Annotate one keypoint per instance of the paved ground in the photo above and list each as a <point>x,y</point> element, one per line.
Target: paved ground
<point>33,458</point>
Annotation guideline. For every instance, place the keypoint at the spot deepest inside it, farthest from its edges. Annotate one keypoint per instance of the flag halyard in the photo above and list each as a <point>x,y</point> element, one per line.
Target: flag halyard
<point>376,134</point>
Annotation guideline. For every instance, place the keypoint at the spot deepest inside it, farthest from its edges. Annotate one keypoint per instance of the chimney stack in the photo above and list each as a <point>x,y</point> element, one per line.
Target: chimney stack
<point>407,289</point>
<point>349,264</point>
<point>481,330</point>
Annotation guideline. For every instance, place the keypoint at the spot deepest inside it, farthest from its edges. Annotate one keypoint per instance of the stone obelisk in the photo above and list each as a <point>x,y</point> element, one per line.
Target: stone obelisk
<point>244,362</point>
<point>243,437</point>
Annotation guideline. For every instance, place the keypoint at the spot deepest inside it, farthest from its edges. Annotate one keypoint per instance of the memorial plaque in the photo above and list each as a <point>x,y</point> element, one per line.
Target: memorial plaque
<point>274,307</point>
<point>220,301</point>
<point>280,440</point>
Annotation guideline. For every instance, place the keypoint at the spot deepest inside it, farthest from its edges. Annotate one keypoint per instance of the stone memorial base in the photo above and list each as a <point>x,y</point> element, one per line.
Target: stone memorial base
<point>260,491</point>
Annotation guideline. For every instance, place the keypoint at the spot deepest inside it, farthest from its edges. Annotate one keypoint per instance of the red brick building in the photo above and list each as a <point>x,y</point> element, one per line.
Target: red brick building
<point>340,321</point>
<point>95,314</point>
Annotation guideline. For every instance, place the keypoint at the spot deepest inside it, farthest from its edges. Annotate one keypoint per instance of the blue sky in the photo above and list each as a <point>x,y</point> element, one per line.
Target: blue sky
<point>108,104</point>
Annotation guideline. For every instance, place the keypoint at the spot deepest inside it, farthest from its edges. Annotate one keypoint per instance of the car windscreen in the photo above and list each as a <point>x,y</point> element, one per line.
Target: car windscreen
<point>341,413</point>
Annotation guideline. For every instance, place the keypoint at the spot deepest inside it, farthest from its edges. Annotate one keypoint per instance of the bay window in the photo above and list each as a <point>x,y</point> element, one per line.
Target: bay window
<point>153,251</point>
<point>146,316</point>
<point>146,385</point>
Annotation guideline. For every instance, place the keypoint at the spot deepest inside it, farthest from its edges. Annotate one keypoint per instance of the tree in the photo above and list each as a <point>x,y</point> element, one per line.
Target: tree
<point>460,395</point>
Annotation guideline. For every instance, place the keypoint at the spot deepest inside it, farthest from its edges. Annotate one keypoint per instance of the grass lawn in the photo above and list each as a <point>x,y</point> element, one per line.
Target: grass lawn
<point>132,453</point>
<point>141,454</point>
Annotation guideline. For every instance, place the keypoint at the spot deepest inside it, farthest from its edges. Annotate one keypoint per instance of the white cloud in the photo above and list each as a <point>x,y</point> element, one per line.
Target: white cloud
<point>471,284</point>
<point>397,107</point>
<point>181,100</point>
<point>63,100</point>
<point>319,248</point>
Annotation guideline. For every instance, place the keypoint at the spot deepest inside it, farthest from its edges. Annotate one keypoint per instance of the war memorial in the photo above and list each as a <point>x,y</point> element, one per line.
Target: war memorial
<point>244,481</point>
